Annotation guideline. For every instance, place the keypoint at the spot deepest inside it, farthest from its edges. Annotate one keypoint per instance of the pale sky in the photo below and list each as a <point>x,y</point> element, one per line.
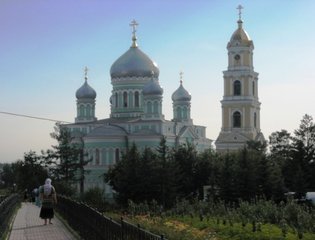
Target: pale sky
<point>45,45</point>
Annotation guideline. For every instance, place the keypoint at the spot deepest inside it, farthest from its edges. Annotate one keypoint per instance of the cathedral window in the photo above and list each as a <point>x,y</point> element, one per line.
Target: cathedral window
<point>137,99</point>
<point>185,113</point>
<point>104,156</point>
<point>116,155</point>
<point>125,99</point>
<point>116,100</point>
<point>155,107</point>
<point>88,110</point>
<point>236,119</point>
<point>255,120</point>
<point>149,107</point>
<point>237,88</point>
<point>97,157</point>
<point>179,113</point>
<point>81,114</point>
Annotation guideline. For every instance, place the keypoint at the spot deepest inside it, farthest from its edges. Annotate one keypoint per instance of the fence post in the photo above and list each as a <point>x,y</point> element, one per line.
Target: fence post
<point>139,231</point>
<point>162,237</point>
<point>122,227</point>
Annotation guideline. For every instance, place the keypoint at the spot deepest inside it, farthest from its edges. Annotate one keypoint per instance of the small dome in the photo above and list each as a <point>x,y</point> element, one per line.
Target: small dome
<point>152,88</point>
<point>240,36</point>
<point>181,94</point>
<point>134,63</point>
<point>85,91</point>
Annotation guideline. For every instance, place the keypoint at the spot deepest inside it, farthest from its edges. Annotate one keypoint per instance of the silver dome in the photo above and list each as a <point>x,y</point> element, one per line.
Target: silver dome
<point>134,63</point>
<point>85,91</point>
<point>152,88</point>
<point>181,94</point>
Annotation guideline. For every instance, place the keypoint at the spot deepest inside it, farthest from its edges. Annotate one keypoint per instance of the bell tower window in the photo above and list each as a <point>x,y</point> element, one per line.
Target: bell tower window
<point>253,88</point>
<point>236,119</point>
<point>255,120</point>
<point>237,88</point>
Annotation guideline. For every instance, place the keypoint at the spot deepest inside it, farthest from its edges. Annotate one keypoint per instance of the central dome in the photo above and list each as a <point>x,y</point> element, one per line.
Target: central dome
<point>134,63</point>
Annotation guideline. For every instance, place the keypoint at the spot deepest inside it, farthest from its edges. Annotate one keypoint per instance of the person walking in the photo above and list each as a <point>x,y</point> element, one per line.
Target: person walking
<point>37,200</point>
<point>48,198</point>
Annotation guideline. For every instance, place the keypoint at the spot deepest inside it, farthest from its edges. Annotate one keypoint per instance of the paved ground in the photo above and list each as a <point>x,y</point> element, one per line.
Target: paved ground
<point>28,226</point>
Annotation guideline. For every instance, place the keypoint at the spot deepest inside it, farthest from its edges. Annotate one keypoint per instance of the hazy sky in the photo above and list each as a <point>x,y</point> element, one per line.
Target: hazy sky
<point>44,46</point>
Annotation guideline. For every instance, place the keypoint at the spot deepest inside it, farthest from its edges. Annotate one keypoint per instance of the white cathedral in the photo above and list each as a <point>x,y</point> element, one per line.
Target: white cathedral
<point>136,110</point>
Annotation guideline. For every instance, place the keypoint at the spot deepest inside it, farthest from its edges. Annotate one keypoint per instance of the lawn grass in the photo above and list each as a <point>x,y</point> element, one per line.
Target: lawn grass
<point>192,228</point>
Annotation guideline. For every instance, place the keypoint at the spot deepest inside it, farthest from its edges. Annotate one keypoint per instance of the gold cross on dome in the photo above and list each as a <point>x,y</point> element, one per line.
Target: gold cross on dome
<point>86,72</point>
<point>239,8</point>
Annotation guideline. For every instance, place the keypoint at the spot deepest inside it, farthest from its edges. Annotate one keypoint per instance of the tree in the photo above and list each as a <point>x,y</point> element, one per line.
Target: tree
<point>124,177</point>
<point>7,175</point>
<point>280,146</point>
<point>168,173</point>
<point>67,159</point>
<point>207,173</point>
<point>30,172</point>
<point>303,153</point>
<point>185,157</point>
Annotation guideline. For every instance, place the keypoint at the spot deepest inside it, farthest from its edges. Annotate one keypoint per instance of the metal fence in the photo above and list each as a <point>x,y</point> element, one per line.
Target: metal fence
<point>91,224</point>
<point>7,206</point>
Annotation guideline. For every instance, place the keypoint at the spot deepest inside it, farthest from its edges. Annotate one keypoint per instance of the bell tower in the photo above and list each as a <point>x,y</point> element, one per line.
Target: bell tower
<point>240,104</point>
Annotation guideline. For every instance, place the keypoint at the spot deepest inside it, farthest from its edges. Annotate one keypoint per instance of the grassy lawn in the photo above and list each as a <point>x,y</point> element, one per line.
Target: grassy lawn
<point>192,228</point>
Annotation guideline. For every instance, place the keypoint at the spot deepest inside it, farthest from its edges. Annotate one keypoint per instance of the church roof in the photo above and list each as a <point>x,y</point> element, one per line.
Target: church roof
<point>107,130</point>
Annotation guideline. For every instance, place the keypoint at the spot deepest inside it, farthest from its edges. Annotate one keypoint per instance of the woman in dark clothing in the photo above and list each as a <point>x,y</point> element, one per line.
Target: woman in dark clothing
<point>48,198</point>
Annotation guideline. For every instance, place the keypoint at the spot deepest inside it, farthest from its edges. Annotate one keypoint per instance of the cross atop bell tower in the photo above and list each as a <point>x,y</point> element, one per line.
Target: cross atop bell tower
<point>239,8</point>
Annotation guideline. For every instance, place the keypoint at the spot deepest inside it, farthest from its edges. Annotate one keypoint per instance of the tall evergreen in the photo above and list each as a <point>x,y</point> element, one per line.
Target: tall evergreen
<point>66,159</point>
<point>304,156</point>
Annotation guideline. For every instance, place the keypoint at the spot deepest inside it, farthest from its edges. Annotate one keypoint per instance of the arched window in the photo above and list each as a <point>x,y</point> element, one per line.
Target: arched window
<point>255,120</point>
<point>125,99</point>
<point>116,155</point>
<point>137,99</point>
<point>116,100</point>
<point>179,113</point>
<point>81,114</point>
<point>97,157</point>
<point>236,119</point>
<point>237,88</point>
<point>155,107</point>
<point>185,113</point>
<point>149,107</point>
<point>253,88</point>
<point>88,111</point>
